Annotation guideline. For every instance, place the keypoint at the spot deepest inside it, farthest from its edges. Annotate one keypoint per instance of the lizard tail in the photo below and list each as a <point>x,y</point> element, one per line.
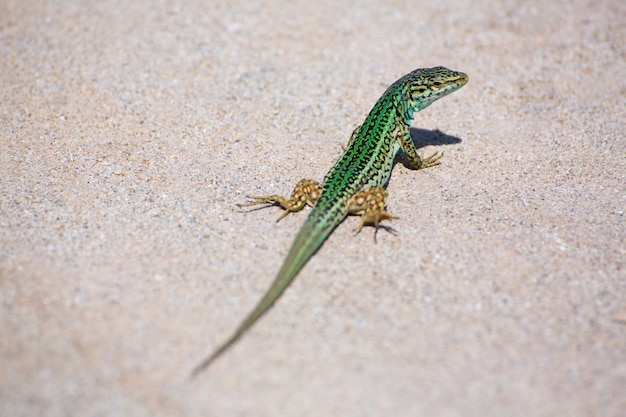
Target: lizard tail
<point>309,239</point>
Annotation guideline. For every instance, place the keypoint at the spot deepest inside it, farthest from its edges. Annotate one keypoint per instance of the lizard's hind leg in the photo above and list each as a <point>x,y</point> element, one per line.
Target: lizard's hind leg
<point>370,204</point>
<point>306,193</point>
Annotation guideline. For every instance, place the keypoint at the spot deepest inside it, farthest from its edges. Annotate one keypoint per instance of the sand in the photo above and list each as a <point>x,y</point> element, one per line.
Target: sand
<point>130,130</point>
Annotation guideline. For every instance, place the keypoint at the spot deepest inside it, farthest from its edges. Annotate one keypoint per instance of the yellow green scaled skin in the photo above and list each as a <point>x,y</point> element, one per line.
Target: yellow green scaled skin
<point>355,185</point>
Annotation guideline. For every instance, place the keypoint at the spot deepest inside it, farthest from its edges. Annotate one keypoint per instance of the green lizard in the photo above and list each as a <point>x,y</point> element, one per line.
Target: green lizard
<point>355,185</point>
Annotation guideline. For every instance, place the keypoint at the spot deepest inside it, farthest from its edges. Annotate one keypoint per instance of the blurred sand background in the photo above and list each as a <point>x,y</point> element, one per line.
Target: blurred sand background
<point>129,131</point>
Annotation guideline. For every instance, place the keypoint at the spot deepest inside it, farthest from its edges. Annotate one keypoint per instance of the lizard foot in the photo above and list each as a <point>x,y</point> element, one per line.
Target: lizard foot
<point>306,193</point>
<point>370,204</point>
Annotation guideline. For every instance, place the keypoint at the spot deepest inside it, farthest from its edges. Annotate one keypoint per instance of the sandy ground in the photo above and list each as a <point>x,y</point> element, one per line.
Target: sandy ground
<point>130,130</point>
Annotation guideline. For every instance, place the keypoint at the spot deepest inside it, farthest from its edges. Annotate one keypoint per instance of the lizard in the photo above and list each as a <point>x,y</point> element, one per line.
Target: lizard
<point>356,183</point>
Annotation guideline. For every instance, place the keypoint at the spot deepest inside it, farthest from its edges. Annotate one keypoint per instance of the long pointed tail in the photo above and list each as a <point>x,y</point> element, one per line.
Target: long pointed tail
<point>313,233</point>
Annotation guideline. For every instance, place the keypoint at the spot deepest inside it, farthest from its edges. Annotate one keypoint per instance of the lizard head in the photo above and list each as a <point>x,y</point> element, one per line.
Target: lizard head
<point>425,85</point>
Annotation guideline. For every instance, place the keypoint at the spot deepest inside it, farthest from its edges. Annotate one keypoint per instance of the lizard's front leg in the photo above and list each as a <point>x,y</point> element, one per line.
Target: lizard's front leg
<point>370,204</point>
<point>411,154</point>
<point>356,132</point>
<point>306,192</point>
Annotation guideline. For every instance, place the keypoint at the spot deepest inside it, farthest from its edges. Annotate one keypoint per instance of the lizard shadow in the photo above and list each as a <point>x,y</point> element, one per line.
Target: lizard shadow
<point>425,137</point>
